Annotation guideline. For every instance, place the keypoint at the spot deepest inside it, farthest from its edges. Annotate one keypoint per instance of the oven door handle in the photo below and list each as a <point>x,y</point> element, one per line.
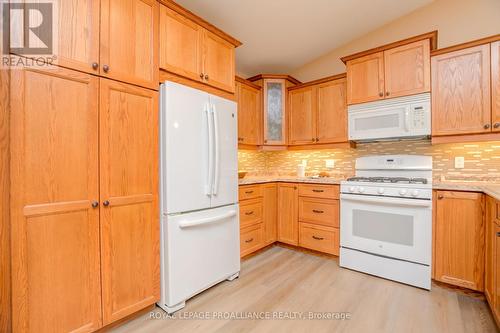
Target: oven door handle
<point>386,200</point>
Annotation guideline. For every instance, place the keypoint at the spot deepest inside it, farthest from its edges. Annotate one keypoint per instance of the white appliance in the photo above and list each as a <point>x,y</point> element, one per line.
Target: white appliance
<point>396,118</point>
<point>386,218</point>
<point>200,243</point>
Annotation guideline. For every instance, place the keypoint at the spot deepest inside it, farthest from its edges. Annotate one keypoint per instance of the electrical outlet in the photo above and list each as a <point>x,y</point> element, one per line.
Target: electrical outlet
<point>304,163</point>
<point>459,162</point>
<point>330,164</point>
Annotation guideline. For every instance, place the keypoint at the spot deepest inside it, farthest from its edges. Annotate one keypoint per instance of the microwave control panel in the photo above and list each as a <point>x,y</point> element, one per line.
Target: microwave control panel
<point>419,117</point>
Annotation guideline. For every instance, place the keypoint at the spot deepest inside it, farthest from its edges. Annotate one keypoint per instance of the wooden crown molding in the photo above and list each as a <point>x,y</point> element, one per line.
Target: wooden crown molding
<point>466,45</point>
<point>198,20</point>
<point>274,76</point>
<point>248,83</point>
<point>432,36</point>
<point>319,81</point>
<point>482,137</point>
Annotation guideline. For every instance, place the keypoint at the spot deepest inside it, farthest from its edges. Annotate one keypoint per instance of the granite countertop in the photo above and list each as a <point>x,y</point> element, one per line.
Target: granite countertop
<point>492,189</point>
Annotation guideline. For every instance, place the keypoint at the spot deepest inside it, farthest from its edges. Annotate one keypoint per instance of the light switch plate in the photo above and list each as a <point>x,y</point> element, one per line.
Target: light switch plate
<point>330,164</point>
<point>459,162</point>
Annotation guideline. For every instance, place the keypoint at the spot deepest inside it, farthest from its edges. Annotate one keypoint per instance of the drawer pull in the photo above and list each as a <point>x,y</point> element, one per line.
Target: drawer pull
<point>318,211</point>
<point>249,240</point>
<point>318,238</point>
<point>249,213</point>
<point>498,234</point>
<point>248,192</point>
<point>318,191</point>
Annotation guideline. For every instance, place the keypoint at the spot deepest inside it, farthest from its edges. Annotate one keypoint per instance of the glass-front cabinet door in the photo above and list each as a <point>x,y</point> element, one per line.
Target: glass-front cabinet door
<point>274,112</point>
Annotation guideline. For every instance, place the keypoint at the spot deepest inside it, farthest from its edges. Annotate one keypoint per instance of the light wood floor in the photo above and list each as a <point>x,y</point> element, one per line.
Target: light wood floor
<point>282,279</point>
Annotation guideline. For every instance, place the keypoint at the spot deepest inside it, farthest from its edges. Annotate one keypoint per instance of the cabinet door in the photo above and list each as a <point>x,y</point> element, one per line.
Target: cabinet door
<point>332,112</point>
<point>218,62</point>
<point>129,41</point>
<point>129,193</point>
<point>495,86</point>
<point>288,225</point>
<point>180,44</point>
<point>489,275</point>
<point>408,69</point>
<point>248,114</point>
<point>496,286</point>
<point>270,212</point>
<point>461,92</point>
<point>56,283</point>
<point>459,239</point>
<point>365,79</point>
<point>302,116</point>
<point>274,112</point>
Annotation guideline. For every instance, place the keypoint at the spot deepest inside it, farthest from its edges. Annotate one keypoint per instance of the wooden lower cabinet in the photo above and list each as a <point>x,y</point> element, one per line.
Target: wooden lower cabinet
<point>459,239</point>
<point>83,200</point>
<point>288,226</point>
<point>319,238</point>
<point>270,212</point>
<point>492,266</point>
<point>251,239</point>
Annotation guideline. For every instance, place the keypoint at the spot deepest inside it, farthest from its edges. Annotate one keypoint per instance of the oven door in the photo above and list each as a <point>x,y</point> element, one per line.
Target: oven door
<point>392,227</point>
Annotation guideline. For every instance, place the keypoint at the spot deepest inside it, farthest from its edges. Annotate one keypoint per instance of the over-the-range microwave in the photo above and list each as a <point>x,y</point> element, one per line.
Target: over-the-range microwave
<point>391,119</point>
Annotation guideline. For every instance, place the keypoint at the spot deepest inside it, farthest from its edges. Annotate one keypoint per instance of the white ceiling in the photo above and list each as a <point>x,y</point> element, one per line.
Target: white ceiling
<point>279,36</point>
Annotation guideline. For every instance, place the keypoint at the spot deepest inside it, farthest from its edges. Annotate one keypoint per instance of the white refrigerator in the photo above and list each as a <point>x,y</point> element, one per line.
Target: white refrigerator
<point>200,242</point>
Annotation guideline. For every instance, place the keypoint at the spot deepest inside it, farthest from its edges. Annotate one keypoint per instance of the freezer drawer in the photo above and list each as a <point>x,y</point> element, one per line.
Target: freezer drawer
<point>198,250</point>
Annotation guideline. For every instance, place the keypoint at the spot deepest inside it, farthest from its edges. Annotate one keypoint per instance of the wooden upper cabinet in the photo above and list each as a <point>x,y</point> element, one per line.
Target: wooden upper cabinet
<point>180,44</point>
<point>407,69</point>
<point>459,239</point>
<point>56,283</point>
<point>365,78</point>
<point>288,225</point>
<point>249,114</point>
<point>129,192</point>
<point>129,41</point>
<point>461,99</point>
<point>332,112</point>
<point>274,111</point>
<point>218,62</point>
<point>495,86</point>
<point>302,115</point>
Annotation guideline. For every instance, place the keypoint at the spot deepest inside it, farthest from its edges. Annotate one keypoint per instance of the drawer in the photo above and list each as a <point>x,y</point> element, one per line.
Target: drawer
<point>251,239</point>
<point>319,238</point>
<point>319,191</point>
<point>249,192</point>
<point>250,212</point>
<point>319,211</point>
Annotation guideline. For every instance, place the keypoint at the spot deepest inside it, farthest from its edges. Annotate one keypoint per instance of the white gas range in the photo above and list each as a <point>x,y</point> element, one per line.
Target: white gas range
<point>386,218</point>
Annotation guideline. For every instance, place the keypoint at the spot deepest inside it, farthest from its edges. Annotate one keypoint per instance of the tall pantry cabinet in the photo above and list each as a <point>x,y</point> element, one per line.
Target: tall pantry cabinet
<point>84,182</point>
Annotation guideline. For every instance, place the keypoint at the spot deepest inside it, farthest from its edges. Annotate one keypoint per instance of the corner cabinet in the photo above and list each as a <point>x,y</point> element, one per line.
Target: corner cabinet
<point>84,200</point>
<point>459,239</point>
<point>394,70</point>
<point>288,203</point>
<point>192,51</point>
<point>318,113</point>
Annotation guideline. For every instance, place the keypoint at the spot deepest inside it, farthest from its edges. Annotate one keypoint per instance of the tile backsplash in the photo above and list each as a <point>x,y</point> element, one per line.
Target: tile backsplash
<point>482,159</point>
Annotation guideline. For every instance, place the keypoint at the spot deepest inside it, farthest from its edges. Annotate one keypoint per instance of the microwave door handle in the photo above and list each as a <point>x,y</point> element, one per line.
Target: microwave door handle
<point>386,200</point>
<point>407,120</point>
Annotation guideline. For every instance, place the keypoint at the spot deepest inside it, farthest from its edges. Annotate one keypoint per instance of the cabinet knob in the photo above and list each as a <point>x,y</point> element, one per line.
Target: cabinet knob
<point>496,125</point>
<point>95,204</point>
<point>440,197</point>
<point>201,75</point>
<point>317,139</point>
<point>206,77</point>
<point>106,203</point>
<point>487,126</point>
<point>105,68</point>
<point>387,93</point>
<point>265,141</point>
<point>95,66</point>
<point>498,234</point>
<point>381,94</point>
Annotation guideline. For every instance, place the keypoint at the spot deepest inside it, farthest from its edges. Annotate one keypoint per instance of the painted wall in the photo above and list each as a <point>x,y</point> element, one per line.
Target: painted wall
<point>457,21</point>
<point>482,160</point>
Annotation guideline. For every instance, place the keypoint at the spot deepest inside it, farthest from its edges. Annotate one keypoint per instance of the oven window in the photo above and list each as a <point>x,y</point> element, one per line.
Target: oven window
<point>384,227</point>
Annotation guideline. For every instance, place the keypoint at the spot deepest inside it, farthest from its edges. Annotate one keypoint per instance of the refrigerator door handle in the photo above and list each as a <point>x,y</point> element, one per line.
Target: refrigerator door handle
<point>215,119</point>
<point>207,220</point>
<point>210,171</point>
